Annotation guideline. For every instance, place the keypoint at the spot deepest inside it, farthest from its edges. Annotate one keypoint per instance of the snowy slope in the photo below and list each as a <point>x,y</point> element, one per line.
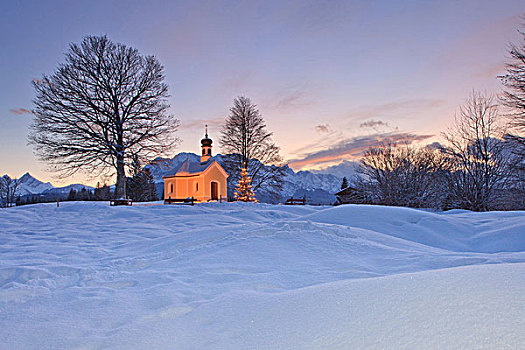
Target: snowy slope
<point>242,276</point>
<point>444,309</point>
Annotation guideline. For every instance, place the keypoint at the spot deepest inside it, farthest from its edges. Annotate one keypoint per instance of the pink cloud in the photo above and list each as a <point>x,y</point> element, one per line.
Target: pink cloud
<point>353,148</point>
<point>20,111</point>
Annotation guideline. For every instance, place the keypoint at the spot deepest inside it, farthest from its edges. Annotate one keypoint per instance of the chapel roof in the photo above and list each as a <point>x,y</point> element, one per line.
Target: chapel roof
<point>190,168</point>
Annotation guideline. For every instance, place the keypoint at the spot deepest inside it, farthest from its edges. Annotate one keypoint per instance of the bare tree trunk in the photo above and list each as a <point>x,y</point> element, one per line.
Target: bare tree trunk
<point>120,187</point>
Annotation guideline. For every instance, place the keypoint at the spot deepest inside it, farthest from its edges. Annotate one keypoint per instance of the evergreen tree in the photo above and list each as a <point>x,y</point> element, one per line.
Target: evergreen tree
<point>344,184</point>
<point>96,192</point>
<point>244,192</point>
<point>82,195</point>
<point>141,186</point>
<point>148,191</point>
<point>72,196</point>
<point>102,193</point>
<point>105,193</point>
<point>152,189</point>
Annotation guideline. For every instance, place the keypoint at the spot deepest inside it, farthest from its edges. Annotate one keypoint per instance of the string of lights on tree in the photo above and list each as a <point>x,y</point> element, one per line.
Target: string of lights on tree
<point>244,192</point>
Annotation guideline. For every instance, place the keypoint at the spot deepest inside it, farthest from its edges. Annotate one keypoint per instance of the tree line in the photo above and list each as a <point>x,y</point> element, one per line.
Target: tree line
<point>479,168</point>
<point>140,188</point>
<point>104,111</point>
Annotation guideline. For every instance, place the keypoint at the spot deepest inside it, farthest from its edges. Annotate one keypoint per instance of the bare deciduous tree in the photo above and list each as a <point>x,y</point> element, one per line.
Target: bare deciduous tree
<point>8,190</point>
<point>478,164</point>
<point>245,139</point>
<point>514,95</point>
<point>514,99</point>
<point>400,175</point>
<point>103,107</point>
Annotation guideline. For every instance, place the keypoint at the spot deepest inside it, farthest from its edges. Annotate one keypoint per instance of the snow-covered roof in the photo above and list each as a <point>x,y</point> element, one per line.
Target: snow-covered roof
<point>190,168</point>
<point>345,190</point>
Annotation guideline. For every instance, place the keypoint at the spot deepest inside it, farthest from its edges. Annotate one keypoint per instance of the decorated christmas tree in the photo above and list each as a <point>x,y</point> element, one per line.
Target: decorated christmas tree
<point>244,191</point>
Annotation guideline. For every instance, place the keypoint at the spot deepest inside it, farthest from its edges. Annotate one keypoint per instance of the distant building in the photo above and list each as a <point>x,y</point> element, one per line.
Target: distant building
<point>350,195</point>
<point>204,181</point>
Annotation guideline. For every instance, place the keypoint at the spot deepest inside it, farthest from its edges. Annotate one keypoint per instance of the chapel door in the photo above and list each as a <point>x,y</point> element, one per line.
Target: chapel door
<point>214,190</point>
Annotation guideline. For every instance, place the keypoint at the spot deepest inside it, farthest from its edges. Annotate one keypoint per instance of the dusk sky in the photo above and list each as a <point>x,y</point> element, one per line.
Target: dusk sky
<point>330,78</point>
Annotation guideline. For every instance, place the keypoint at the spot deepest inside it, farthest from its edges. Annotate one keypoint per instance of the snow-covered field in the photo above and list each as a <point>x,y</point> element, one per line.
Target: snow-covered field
<point>256,276</point>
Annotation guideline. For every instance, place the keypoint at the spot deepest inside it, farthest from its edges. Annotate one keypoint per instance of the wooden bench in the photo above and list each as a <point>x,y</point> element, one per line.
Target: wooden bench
<point>295,201</point>
<point>114,202</point>
<point>188,201</point>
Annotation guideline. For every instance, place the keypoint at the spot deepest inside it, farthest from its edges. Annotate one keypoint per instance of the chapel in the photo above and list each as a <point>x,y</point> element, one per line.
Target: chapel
<point>204,181</point>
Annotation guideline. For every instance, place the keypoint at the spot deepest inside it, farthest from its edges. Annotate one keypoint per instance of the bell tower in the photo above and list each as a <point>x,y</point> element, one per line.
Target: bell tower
<point>206,147</point>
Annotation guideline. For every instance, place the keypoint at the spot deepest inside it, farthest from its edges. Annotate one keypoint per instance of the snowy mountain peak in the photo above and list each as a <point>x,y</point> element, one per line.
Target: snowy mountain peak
<point>318,188</point>
<point>30,185</point>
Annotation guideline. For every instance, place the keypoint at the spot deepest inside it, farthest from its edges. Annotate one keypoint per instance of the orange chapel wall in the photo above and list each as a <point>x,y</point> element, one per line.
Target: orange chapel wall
<point>184,187</point>
<point>214,174</point>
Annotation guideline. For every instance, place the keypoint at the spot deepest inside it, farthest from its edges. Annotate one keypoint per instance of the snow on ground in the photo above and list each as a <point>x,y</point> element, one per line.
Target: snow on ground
<point>246,276</point>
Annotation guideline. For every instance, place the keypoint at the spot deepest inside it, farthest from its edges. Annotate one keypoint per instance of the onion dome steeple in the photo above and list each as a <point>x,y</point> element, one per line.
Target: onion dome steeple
<point>206,147</point>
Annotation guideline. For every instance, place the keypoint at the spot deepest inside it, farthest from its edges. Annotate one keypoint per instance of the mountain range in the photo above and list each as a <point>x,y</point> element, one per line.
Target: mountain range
<point>29,185</point>
<point>346,169</point>
<point>317,186</point>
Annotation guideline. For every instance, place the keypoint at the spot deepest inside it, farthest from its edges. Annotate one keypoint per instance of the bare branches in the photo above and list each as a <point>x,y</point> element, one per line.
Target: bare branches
<point>401,175</point>
<point>514,81</point>
<point>245,138</point>
<point>514,99</point>
<point>478,164</point>
<point>8,190</point>
<point>476,170</point>
<point>103,106</point>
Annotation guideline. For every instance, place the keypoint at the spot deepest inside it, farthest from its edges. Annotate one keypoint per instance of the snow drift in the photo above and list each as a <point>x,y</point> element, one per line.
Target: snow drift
<point>237,276</point>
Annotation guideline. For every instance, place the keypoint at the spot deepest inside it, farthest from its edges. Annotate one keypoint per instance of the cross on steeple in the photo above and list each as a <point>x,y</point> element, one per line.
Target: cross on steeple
<point>206,143</point>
